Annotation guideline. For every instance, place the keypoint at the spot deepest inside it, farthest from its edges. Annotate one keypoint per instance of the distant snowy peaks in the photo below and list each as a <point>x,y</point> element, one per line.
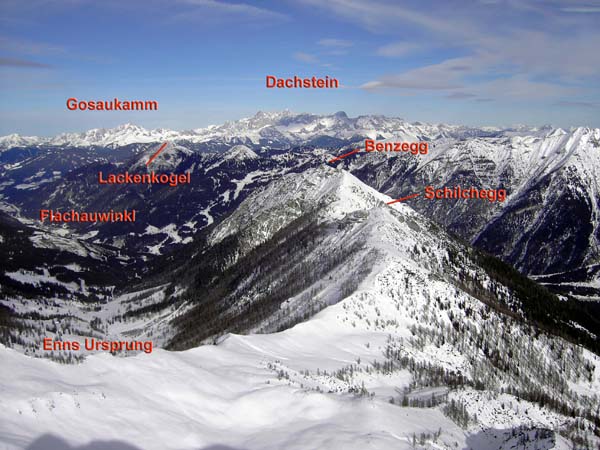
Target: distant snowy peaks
<point>105,137</point>
<point>557,132</point>
<point>279,129</point>
<point>273,115</point>
<point>113,137</point>
<point>260,120</point>
<point>16,140</point>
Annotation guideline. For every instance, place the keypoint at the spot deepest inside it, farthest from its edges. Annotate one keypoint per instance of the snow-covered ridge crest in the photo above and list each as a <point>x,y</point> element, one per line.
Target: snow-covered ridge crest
<point>330,192</point>
<point>240,152</point>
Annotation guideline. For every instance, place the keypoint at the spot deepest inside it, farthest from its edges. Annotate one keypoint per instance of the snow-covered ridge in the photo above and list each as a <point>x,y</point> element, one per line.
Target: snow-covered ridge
<point>239,152</point>
<point>270,127</point>
<point>16,140</point>
<point>335,193</point>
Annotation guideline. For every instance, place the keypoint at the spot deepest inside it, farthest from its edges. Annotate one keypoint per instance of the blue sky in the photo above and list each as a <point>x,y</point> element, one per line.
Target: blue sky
<point>476,62</point>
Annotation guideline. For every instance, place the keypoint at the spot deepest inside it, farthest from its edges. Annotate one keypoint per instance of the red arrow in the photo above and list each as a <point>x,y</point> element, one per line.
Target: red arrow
<point>337,158</point>
<point>403,198</point>
<point>153,157</point>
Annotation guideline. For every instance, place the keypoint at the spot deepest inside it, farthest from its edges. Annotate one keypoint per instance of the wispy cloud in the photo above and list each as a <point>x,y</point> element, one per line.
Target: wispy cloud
<point>335,47</point>
<point>306,58</point>
<point>509,48</point>
<point>582,9</point>
<point>452,76</point>
<point>397,49</point>
<point>520,87</point>
<point>376,14</point>
<point>569,50</point>
<point>460,95</point>
<point>22,63</point>
<point>577,104</point>
<point>220,10</point>
<point>207,11</point>
<point>29,47</point>
<point>444,76</point>
<point>20,47</point>
<point>337,43</point>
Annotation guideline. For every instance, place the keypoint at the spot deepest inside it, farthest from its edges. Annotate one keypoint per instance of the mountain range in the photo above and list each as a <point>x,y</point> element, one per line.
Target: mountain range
<point>547,228</point>
<point>480,317</point>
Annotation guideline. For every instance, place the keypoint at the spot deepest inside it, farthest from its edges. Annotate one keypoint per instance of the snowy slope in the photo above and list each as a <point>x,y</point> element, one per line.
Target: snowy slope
<point>227,395</point>
<point>415,293</point>
<point>403,322</point>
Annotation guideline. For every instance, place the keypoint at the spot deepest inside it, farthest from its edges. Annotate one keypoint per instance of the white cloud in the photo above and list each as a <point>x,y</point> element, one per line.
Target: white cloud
<point>207,11</point>
<point>460,95</point>
<point>520,87</point>
<point>380,15</point>
<point>397,49</point>
<point>214,12</point>
<point>582,9</point>
<point>22,63</point>
<point>306,57</point>
<point>443,76</point>
<point>510,49</point>
<point>29,47</point>
<point>578,104</point>
<point>338,43</point>
<point>454,75</point>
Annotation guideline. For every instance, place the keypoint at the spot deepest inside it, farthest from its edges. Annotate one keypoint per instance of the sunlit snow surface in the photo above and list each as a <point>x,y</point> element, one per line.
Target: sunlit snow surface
<point>214,395</point>
<point>211,395</point>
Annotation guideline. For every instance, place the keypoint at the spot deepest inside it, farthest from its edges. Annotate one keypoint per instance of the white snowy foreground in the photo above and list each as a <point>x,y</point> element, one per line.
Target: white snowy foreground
<point>214,397</point>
